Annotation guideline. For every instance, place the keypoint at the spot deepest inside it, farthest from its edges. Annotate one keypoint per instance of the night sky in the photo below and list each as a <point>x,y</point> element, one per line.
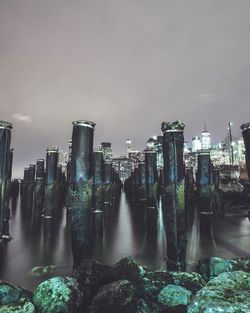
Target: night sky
<point>126,65</point>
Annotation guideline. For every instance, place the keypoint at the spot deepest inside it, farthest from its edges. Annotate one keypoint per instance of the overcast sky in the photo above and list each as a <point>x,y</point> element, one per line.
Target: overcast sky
<point>126,65</point>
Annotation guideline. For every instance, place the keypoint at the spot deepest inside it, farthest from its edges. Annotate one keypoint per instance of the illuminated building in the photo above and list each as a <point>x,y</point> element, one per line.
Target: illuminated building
<point>128,146</point>
<point>205,139</point>
<point>196,144</point>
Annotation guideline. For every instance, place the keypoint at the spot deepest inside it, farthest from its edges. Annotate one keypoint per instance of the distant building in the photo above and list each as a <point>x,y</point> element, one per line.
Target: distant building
<point>70,150</point>
<point>155,143</point>
<point>63,159</point>
<point>128,146</point>
<point>196,144</point>
<point>136,157</point>
<point>205,139</point>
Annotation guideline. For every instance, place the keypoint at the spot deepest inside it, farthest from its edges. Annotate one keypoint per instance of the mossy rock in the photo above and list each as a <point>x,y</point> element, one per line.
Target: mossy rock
<point>152,283</point>
<point>212,267</point>
<point>191,281</point>
<point>22,306</point>
<point>174,298</point>
<point>10,293</point>
<point>55,295</point>
<point>142,307</point>
<point>227,293</point>
<point>43,270</point>
<point>14,299</point>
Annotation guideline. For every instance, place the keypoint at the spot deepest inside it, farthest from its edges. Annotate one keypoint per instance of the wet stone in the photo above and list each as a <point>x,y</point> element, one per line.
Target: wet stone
<point>142,307</point>
<point>43,270</point>
<point>113,298</point>
<point>126,269</point>
<point>227,293</point>
<point>14,299</point>
<point>191,281</point>
<point>22,306</point>
<point>212,267</point>
<point>55,295</point>
<point>152,283</point>
<point>174,298</point>
<point>89,268</point>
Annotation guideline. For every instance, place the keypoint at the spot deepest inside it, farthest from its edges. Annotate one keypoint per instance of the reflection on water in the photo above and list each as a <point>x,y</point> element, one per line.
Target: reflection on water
<point>125,233</point>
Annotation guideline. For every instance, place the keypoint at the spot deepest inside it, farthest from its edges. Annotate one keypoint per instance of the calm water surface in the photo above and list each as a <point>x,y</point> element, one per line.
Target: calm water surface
<point>124,235</point>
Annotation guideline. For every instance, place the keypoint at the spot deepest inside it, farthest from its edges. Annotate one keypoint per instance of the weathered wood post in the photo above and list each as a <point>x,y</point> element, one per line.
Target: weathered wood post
<point>174,194</point>
<point>5,169</point>
<point>81,185</point>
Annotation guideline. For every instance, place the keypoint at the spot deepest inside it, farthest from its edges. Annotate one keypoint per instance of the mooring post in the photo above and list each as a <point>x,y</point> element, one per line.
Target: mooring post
<point>50,202</point>
<point>81,185</point>
<point>5,170</point>
<point>204,189</point>
<point>174,194</point>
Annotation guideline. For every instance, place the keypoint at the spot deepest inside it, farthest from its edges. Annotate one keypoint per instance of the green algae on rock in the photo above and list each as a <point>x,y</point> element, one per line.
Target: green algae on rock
<point>174,297</point>
<point>213,266</point>
<point>55,295</point>
<point>10,293</point>
<point>227,293</point>
<point>14,299</point>
<point>23,306</point>
<point>43,270</point>
<point>191,281</point>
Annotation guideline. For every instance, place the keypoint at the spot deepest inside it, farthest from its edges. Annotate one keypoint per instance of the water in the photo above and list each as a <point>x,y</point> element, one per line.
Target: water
<point>125,234</point>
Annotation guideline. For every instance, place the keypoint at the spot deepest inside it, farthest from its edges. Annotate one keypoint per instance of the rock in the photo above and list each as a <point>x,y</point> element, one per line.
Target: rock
<point>125,269</point>
<point>14,299</point>
<point>227,293</point>
<point>87,285</point>
<point>212,267</point>
<point>113,298</point>
<point>142,307</point>
<point>22,306</point>
<point>55,295</point>
<point>43,270</point>
<point>89,268</point>
<point>10,293</point>
<point>174,298</point>
<point>191,281</point>
<point>152,283</point>
<point>83,297</point>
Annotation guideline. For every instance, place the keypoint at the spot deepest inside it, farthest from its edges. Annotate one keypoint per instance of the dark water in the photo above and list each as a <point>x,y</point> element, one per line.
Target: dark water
<point>124,235</point>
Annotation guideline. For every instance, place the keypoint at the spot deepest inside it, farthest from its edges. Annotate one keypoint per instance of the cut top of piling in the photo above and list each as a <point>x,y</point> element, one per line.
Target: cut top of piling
<point>4,124</point>
<point>52,150</point>
<point>203,152</point>
<point>245,126</point>
<point>84,123</point>
<point>176,126</point>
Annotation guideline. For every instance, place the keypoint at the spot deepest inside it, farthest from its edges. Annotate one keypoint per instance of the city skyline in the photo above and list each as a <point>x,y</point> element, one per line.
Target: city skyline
<point>125,66</point>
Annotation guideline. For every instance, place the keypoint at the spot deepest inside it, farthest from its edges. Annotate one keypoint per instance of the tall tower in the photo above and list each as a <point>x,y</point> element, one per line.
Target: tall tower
<point>196,144</point>
<point>205,138</point>
<point>128,146</point>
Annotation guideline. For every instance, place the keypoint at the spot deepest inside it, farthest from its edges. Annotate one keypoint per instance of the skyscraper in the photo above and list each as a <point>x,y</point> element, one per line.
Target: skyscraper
<point>205,139</point>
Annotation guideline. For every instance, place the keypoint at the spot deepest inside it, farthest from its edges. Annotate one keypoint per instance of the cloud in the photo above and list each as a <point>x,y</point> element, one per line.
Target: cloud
<point>22,118</point>
<point>207,97</point>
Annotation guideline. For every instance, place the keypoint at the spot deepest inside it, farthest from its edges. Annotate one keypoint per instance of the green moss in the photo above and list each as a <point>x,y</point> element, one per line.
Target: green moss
<point>155,191</point>
<point>23,306</point>
<point>229,292</point>
<point>42,270</point>
<point>174,296</point>
<point>54,295</point>
<point>181,195</point>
